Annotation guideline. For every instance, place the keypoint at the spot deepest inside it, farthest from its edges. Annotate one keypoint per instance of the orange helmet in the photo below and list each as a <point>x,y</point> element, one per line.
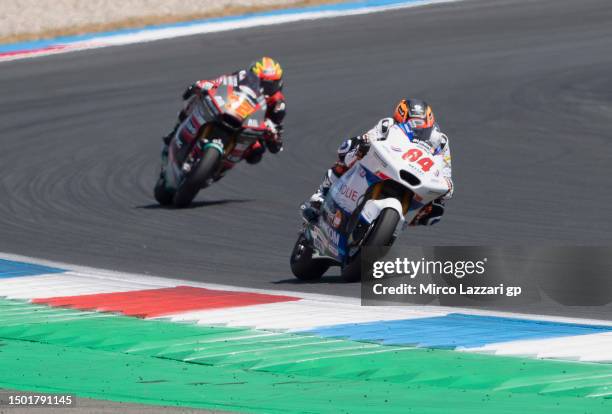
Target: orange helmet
<point>418,114</point>
<point>270,75</point>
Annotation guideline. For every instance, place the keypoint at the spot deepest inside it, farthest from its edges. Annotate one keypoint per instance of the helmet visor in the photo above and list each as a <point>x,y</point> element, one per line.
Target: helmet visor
<point>416,123</point>
<point>270,87</point>
<point>422,134</point>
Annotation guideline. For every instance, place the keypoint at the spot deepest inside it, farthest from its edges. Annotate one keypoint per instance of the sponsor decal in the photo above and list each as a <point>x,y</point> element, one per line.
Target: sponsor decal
<point>349,193</point>
<point>333,249</point>
<point>367,214</point>
<point>382,175</point>
<point>418,110</point>
<point>336,219</point>
<point>199,116</point>
<point>190,127</point>
<point>362,172</point>
<point>318,244</point>
<point>426,146</point>
<point>248,91</point>
<point>402,109</point>
<point>331,234</point>
<point>239,105</point>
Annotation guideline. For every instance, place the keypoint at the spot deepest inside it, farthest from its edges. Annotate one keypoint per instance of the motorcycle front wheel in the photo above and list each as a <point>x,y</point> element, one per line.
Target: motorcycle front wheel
<point>161,193</point>
<point>303,266</point>
<point>192,183</point>
<point>381,235</point>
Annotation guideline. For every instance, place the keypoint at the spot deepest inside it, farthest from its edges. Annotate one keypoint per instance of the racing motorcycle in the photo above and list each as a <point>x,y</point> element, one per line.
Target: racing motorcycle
<point>367,207</point>
<point>222,124</point>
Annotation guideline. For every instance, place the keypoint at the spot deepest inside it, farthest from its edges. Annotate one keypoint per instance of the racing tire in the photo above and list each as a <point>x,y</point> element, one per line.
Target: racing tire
<point>380,235</point>
<point>303,266</point>
<point>197,178</point>
<point>162,194</point>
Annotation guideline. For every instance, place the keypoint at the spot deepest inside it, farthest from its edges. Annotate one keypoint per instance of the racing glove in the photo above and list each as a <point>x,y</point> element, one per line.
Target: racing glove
<point>363,146</point>
<point>274,142</point>
<point>275,146</point>
<point>197,87</point>
<point>451,190</point>
<point>190,91</point>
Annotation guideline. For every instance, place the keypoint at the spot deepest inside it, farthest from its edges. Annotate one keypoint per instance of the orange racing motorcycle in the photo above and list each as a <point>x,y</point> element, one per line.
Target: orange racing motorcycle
<point>221,125</point>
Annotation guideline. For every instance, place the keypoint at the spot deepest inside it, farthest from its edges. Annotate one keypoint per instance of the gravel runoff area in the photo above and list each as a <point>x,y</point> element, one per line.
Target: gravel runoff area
<point>33,19</point>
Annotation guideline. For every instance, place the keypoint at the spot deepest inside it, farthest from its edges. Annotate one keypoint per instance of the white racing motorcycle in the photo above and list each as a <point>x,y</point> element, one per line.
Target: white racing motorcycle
<point>369,205</point>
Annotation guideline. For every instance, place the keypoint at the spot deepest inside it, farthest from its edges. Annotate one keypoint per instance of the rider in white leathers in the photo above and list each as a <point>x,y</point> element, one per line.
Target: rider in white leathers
<point>419,116</point>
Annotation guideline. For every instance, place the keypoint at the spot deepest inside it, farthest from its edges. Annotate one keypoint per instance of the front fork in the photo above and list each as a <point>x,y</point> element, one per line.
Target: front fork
<point>202,143</point>
<point>193,157</point>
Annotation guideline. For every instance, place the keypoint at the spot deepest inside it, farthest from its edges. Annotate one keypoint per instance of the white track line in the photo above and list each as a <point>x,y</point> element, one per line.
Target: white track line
<point>310,312</point>
<point>132,281</point>
<point>95,41</point>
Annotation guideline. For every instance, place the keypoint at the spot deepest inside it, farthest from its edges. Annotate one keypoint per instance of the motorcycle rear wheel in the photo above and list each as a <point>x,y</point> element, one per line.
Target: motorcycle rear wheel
<point>379,236</point>
<point>195,180</point>
<point>303,266</point>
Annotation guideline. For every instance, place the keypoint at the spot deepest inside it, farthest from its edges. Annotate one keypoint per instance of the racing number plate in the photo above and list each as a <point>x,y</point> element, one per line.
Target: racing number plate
<point>416,155</point>
<point>240,106</point>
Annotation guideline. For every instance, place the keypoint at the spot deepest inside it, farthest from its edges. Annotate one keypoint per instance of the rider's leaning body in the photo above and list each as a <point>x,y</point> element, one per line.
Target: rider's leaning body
<point>419,116</point>
<point>264,75</point>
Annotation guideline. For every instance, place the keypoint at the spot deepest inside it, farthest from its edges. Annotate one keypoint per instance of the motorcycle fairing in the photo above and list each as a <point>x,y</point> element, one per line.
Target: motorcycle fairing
<point>245,108</point>
<point>242,109</point>
<point>332,233</point>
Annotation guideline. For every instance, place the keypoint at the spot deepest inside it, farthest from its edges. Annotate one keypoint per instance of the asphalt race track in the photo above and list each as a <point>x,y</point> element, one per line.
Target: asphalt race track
<point>523,88</point>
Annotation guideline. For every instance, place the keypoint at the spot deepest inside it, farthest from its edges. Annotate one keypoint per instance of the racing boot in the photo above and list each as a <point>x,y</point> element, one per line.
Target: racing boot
<point>254,153</point>
<point>430,214</point>
<point>312,208</point>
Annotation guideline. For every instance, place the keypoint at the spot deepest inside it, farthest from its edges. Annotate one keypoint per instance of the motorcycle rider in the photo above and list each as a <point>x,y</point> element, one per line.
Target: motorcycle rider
<point>420,117</point>
<point>264,74</point>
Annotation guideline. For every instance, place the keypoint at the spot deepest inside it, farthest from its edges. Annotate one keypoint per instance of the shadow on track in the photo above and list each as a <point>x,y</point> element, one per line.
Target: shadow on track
<point>195,204</point>
<point>325,280</point>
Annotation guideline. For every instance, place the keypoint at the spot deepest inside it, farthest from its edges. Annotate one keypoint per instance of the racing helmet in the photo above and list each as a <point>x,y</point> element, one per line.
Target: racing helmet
<point>418,115</point>
<point>270,75</point>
